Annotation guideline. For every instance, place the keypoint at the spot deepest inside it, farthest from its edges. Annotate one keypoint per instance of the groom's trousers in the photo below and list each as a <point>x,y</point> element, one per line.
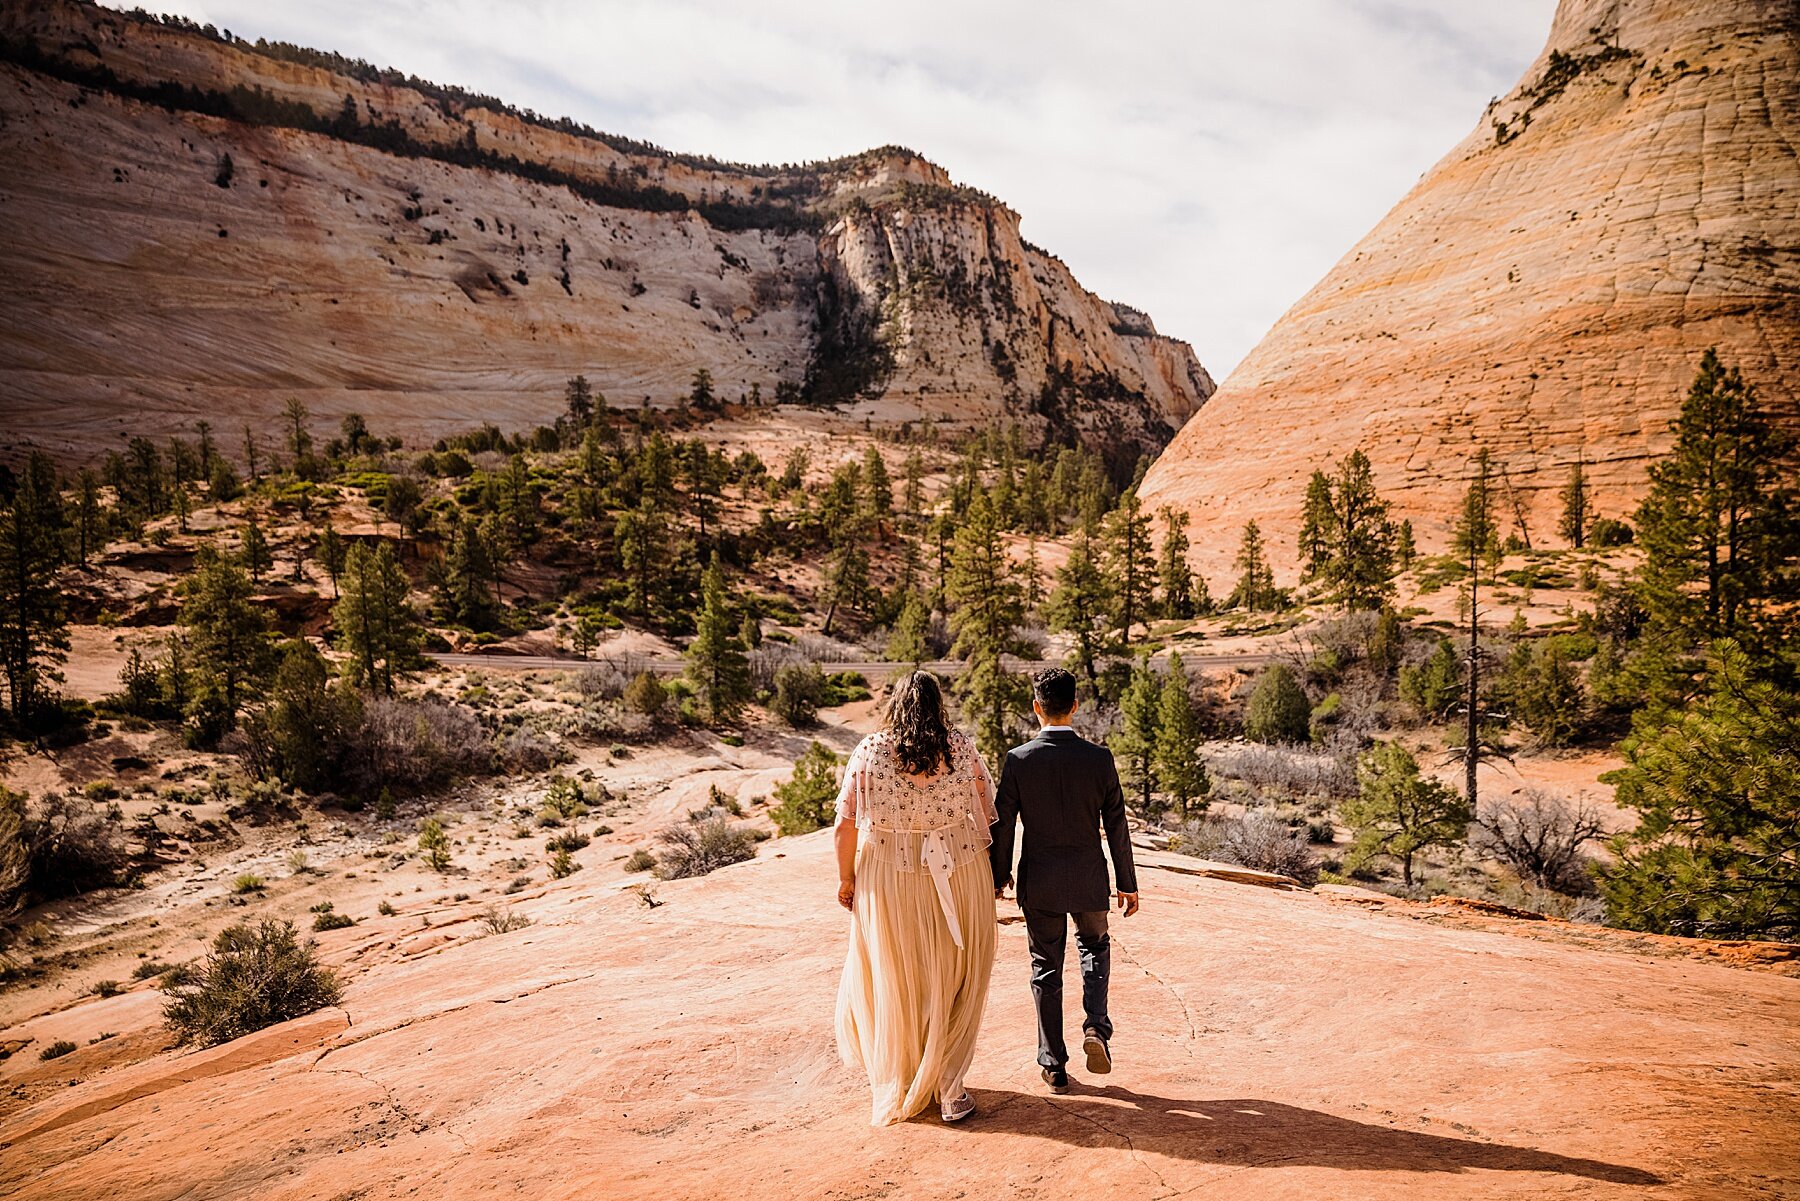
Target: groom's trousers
<point>1047,932</point>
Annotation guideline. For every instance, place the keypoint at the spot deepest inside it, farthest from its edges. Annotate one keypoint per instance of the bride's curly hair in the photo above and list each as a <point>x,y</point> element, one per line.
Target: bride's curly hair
<point>915,717</point>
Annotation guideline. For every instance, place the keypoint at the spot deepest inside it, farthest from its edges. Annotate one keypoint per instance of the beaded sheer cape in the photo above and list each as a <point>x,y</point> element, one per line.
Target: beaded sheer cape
<point>899,814</point>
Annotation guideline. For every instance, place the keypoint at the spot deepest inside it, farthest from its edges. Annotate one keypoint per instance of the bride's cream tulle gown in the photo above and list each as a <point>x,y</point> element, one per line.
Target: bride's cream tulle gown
<point>922,925</point>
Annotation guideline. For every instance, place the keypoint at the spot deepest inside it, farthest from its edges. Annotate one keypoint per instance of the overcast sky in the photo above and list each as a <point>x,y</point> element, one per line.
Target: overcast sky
<point>1205,161</point>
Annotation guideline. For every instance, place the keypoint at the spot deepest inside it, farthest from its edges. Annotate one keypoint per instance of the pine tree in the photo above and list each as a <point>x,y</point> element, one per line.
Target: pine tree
<point>1134,738</point>
<point>1130,563</point>
<point>227,631</point>
<point>1477,537</point>
<point>34,637</point>
<point>1255,589</point>
<point>90,516</point>
<point>1400,813</point>
<point>1720,527</point>
<point>378,629</point>
<point>175,674</point>
<point>706,475</point>
<point>207,450</point>
<point>331,552</point>
<point>1346,539</point>
<point>299,439</point>
<point>1318,520</point>
<point>1179,599</point>
<point>989,607</point>
<point>468,596</point>
<point>1034,506</point>
<point>700,390</point>
<point>1542,690</point>
<point>1180,771</point>
<point>641,538</point>
<point>258,558</point>
<point>1362,561</point>
<point>1436,684</point>
<point>1576,509</point>
<point>846,582</point>
<point>1717,791</point>
<point>1034,577</point>
<point>878,487</point>
<point>578,398</point>
<point>1406,551</point>
<point>716,662</point>
<point>909,641</point>
<point>1081,605</point>
<point>912,500</point>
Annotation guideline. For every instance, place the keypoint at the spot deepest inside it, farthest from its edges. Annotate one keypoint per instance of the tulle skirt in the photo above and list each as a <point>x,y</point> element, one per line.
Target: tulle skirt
<point>909,1007</point>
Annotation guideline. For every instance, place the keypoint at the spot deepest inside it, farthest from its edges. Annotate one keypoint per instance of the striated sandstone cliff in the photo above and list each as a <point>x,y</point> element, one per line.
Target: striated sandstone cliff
<point>1545,291</point>
<point>433,259</point>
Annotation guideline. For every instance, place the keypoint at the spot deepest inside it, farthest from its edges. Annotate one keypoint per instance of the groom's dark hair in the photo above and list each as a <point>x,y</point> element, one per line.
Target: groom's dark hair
<point>1054,690</point>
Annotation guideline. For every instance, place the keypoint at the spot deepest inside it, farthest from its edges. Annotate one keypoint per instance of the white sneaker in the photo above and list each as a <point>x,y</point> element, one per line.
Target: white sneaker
<point>958,1109</point>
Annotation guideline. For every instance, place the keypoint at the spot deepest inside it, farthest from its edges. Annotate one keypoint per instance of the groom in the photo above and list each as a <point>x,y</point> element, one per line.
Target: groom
<point>1064,788</point>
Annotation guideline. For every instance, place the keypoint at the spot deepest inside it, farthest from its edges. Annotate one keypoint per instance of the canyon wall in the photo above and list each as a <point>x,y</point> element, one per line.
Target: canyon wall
<point>198,227</point>
<point>1546,291</point>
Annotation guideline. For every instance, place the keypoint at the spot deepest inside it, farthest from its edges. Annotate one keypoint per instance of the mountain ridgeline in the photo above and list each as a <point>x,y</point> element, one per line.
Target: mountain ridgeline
<point>201,226</point>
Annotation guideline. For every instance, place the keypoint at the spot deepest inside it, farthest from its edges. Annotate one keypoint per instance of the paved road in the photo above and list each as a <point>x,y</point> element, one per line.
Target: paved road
<point>875,669</point>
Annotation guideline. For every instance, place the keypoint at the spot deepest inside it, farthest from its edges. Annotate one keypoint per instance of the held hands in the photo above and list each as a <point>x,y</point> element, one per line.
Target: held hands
<point>846,893</point>
<point>1128,901</point>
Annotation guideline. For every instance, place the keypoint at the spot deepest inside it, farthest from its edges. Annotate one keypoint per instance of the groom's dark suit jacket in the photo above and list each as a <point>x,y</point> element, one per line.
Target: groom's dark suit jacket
<point>1064,788</point>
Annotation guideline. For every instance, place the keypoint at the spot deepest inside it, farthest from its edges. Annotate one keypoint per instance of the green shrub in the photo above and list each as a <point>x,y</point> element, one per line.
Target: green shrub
<point>248,882</point>
<point>1609,532</point>
<point>844,688</point>
<point>107,988</point>
<point>498,920</point>
<point>255,976</point>
<point>563,865</point>
<point>1434,685</point>
<point>701,845</point>
<point>434,844</point>
<point>640,860</point>
<point>1279,710</point>
<point>1325,714</point>
<point>57,1049</point>
<point>647,695</point>
<point>564,799</point>
<point>805,802</point>
<point>70,847</point>
<point>799,690</point>
<point>149,968</point>
<point>327,918</point>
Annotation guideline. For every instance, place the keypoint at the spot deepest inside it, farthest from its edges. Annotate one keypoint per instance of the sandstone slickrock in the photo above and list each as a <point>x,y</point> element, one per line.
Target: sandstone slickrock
<point>1546,290</point>
<point>1271,1044</point>
<point>432,260</point>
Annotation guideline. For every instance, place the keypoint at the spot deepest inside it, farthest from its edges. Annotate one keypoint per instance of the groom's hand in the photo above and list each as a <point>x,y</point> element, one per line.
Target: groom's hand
<point>1128,901</point>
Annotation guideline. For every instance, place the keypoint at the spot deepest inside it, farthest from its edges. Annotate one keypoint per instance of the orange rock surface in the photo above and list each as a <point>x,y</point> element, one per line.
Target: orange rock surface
<point>1545,291</point>
<point>1271,1044</point>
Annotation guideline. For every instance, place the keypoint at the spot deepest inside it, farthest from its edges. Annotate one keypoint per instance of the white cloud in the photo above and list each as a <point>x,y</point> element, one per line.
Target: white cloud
<point>1205,161</point>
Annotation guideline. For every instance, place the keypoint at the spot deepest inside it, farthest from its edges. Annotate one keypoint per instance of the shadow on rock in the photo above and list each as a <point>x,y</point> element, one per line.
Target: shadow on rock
<point>1249,1133</point>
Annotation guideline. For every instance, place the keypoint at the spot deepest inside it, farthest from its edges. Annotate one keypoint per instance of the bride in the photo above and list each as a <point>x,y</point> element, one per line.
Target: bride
<point>912,837</point>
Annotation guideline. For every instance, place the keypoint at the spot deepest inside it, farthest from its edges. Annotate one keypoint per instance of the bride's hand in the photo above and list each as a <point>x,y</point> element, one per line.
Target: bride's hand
<point>846,892</point>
